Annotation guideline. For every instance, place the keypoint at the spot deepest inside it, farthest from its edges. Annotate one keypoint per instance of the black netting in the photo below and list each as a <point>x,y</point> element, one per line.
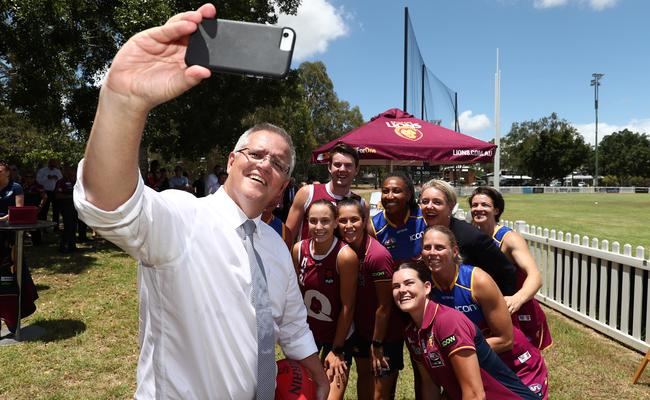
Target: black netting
<point>426,96</point>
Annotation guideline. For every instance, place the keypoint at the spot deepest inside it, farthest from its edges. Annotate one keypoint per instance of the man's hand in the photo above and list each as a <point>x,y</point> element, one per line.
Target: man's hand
<point>150,68</point>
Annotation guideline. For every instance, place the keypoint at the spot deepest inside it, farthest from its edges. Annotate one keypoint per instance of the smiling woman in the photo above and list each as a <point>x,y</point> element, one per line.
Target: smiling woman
<point>399,228</point>
<point>327,270</point>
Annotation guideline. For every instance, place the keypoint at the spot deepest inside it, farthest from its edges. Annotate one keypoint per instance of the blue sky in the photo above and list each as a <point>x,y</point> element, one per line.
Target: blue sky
<point>548,51</point>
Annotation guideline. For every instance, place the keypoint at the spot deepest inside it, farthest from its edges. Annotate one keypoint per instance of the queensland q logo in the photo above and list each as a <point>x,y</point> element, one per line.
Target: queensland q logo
<point>408,132</point>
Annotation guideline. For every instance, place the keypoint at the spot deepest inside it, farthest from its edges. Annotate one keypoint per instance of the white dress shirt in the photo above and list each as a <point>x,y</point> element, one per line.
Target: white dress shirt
<point>198,334</point>
<point>47,177</point>
<point>212,184</point>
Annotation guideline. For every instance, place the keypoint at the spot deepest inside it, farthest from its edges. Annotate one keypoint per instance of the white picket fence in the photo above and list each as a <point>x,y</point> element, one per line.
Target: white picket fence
<point>592,283</point>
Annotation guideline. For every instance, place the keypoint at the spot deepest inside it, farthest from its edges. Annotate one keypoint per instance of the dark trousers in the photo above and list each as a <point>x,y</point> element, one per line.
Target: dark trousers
<point>69,214</point>
<point>42,214</point>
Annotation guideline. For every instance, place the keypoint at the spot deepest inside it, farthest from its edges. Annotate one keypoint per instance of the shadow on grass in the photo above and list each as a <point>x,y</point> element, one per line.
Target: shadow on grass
<point>42,288</point>
<point>54,330</point>
<point>47,257</point>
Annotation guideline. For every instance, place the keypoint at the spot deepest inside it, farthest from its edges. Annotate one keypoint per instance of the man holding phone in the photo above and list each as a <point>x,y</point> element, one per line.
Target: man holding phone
<point>201,261</point>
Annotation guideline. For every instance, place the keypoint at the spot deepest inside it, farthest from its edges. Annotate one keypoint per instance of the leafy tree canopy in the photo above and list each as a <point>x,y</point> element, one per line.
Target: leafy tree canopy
<point>625,154</point>
<point>548,148</point>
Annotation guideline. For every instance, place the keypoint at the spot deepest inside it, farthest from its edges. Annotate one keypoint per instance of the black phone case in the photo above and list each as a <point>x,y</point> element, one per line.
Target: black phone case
<point>239,48</point>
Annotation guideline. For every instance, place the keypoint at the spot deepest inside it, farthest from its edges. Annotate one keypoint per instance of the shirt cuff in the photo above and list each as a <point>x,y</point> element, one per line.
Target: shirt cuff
<point>298,349</point>
<point>98,218</point>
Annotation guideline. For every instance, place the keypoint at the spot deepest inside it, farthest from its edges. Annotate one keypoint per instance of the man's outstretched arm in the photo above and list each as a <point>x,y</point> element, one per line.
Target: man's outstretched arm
<point>148,70</point>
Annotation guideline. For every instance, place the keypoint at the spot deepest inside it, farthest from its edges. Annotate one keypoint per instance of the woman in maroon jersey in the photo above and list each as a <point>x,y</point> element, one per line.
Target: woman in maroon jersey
<point>450,352</point>
<point>327,271</point>
<point>378,337</point>
<point>487,205</point>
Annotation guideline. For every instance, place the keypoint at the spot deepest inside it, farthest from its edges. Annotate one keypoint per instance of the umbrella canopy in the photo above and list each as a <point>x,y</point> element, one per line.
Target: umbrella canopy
<point>396,137</point>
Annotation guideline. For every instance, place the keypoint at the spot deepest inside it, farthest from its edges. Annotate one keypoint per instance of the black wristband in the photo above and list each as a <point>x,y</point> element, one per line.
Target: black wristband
<point>338,351</point>
<point>376,343</point>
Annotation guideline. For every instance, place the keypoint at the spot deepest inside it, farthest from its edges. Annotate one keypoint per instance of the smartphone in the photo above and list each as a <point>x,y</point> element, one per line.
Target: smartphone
<point>242,48</point>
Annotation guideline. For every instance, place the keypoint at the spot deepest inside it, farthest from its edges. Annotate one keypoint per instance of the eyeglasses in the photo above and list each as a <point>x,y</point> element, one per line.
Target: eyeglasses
<point>258,156</point>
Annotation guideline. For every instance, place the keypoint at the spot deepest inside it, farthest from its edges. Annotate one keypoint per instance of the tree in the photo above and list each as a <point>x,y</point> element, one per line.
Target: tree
<point>23,144</point>
<point>331,116</point>
<point>547,149</point>
<point>53,54</point>
<point>625,154</point>
<point>311,112</point>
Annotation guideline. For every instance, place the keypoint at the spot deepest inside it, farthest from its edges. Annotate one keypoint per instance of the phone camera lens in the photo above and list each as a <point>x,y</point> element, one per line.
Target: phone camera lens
<point>285,34</point>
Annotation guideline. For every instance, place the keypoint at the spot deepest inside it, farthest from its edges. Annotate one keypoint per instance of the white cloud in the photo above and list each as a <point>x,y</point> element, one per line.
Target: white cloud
<point>549,3</point>
<point>588,131</point>
<point>472,123</point>
<point>597,5</point>
<point>317,24</point>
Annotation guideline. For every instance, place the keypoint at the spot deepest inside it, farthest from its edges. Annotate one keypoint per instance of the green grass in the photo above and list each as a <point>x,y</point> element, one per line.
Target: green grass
<point>88,307</point>
<point>616,217</point>
<point>624,218</point>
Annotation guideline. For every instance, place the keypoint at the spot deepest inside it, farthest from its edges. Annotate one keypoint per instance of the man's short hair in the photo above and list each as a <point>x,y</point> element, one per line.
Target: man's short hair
<point>242,142</point>
<point>342,148</point>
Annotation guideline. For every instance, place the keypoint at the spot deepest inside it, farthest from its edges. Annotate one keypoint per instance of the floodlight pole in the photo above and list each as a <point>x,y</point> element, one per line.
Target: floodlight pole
<point>595,83</point>
<point>406,46</point>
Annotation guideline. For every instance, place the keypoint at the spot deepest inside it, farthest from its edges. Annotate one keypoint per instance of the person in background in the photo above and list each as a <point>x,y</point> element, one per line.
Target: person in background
<point>15,174</point>
<point>199,184</point>
<point>486,206</point>
<point>11,192</point>
<point>473,292</point>
<point>450,352</point>
<point>275,222</point>
<point>179,181</point>
<point>221,178</point>
<point>47,177</point>
<point>378,342</point>
<point>64,190</point>
<point>327,270</point>
<point>163,181</point>
<point>212,181</point>
<point>343,168</point>
<point>287,199</point>
<point>437,201</point>
<point>11,195</point>
<point>34,196</point>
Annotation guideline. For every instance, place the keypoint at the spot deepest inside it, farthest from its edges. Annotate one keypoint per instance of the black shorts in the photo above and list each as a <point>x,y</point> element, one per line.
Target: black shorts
<point>324,348</point>
<point>394,351</point>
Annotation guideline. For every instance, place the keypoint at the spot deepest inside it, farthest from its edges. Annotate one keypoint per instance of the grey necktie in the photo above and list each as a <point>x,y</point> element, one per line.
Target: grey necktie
<point>265,332</point>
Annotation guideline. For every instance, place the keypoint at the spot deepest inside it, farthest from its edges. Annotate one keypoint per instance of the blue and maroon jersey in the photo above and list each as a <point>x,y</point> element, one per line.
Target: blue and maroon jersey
<point>445,331</point>
<point>375,265</point>
<point>524,358</point>
<point>318,278</point>
<point>403,239</point>
<point>278,226</point>
<point>530,317</point>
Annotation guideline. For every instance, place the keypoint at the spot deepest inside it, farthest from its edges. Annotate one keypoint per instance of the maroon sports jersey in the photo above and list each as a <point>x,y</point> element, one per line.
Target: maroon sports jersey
<point>319,191</point>
<point>376,264</point>
<point>319,282</point>
<point>445,331</point>
<point>531,318</point>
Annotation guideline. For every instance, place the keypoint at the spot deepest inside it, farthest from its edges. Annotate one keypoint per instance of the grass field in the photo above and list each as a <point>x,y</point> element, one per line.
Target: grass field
<point>616,217</point>
<point>88,307</point>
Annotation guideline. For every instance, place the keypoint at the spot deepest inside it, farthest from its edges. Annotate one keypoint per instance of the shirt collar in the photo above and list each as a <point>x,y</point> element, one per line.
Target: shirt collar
<point>430,313</point>
<point>233,216</point>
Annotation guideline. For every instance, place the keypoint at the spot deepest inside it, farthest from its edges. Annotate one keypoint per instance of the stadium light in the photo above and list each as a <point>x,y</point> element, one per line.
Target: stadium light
<point>595,83</point>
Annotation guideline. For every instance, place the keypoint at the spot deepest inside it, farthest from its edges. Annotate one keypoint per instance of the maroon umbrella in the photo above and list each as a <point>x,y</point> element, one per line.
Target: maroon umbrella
<point>398,136</point>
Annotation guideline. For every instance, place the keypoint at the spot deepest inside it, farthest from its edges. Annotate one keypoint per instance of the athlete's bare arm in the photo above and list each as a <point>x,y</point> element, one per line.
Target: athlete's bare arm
<point>516,249</point>
<point>495,311</point>
<point>468,373</point>
<point>297,213</point>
